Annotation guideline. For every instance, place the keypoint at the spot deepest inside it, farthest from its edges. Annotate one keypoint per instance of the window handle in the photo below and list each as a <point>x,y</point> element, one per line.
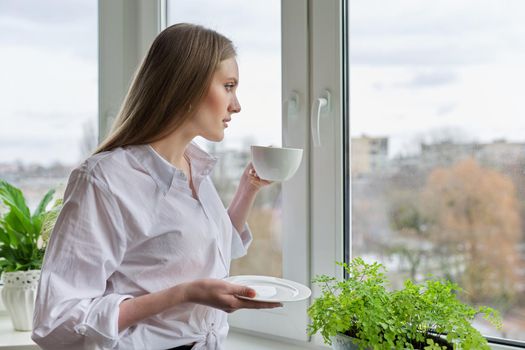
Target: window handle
<point>320,108</point>
<point>292,116</point>
<point>293,106</point>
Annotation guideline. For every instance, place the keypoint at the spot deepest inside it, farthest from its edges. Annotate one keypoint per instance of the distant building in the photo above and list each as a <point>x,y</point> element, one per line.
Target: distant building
<point>369,154</point>
<point>446,153</point>
<point>496,154</point>
<point>501,154</point>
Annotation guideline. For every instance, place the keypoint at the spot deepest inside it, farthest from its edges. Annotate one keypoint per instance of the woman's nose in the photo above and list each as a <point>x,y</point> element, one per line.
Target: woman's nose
<point>235,106</point>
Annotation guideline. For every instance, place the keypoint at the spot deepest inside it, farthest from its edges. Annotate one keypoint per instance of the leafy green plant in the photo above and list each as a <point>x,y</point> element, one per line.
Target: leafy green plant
<point>418,316</point>
<point>23,236</point>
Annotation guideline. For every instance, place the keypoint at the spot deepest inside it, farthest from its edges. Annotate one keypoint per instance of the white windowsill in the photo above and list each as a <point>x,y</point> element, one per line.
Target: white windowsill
<point>13,340</point>
<point>237,340</point>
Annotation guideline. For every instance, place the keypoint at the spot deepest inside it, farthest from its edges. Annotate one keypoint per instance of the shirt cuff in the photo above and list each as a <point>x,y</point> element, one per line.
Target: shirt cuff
<point>241,241</point>
<point>100,325</point>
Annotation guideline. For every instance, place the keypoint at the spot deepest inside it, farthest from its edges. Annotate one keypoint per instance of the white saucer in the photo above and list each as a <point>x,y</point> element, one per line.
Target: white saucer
<point>272,289</point>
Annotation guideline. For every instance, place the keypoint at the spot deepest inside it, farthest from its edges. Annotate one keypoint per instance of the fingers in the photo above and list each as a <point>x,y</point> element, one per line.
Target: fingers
<point>248,304</point>
<point>243,291</point>
<point>253,173</point>
<point>255,177</point>
<point>246,292</point>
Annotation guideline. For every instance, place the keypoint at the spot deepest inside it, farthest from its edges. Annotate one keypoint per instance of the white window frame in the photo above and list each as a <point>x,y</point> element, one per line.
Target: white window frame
<point>126,30</point>
<point>326,170</point>
<point>291,320</point>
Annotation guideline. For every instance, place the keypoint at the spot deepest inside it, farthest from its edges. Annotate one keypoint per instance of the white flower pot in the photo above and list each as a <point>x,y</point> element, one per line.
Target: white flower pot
<point>343,342</point>
<point>18,295</point>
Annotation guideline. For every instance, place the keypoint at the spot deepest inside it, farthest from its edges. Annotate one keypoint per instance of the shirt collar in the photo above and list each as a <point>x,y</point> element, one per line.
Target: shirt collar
<point>164,173</point>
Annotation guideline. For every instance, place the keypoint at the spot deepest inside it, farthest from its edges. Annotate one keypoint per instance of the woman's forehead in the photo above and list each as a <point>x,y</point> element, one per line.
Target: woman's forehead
<point>228,69</point>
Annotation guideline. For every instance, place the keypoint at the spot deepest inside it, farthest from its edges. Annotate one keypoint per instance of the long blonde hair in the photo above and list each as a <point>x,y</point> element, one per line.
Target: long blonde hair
<point>172,80</point>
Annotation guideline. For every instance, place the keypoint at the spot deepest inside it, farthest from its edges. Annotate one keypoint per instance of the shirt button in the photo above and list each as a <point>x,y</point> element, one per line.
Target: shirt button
<point>82,330</point>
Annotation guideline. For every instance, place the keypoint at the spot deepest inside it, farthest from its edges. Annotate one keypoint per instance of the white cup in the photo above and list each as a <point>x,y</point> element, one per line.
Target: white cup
<point>276,163</point>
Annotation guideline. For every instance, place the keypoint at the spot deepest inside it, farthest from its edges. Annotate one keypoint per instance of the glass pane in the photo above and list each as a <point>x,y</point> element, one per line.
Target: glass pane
<point>255,29</point>
<point>49,107</point>
<point>438,146</point>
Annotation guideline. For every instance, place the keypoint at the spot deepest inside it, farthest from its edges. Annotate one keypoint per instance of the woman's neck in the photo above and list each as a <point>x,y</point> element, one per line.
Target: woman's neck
<point>172,148</point>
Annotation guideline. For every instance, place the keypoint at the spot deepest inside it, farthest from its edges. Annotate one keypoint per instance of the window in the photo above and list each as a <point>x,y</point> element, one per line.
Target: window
<point>49,95</point>
<point>273,75</point>
<point>393,103</point>
<point>438,85</point>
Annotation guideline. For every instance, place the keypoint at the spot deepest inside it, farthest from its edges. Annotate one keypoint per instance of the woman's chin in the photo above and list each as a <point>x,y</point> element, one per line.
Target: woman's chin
<point>215,138</point>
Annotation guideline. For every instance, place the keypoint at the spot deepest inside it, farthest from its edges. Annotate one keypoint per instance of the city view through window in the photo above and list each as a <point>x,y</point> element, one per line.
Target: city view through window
<point>49,103</point>
<point>438,146</point>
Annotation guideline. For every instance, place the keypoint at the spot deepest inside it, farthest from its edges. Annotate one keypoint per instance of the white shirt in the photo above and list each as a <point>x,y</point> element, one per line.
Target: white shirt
<point>131,226</point>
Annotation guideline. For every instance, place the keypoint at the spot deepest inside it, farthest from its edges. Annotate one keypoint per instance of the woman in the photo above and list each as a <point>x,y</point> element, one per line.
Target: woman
<point>138,254</point>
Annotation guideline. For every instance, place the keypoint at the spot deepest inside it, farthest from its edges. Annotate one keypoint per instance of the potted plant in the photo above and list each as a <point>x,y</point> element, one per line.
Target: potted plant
<point>361,313</point>
<point>23,238</point>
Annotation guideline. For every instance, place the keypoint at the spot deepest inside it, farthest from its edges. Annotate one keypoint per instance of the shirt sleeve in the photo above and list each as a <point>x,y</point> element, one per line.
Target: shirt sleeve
<point>87,245</point>
<point>241,241</point>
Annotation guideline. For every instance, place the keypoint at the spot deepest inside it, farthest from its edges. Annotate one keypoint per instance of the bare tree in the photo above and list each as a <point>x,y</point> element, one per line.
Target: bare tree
<point>88,143</point>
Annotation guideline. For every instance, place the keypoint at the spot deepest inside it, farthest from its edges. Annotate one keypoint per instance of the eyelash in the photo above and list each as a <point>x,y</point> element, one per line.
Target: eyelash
<point>229,86</point>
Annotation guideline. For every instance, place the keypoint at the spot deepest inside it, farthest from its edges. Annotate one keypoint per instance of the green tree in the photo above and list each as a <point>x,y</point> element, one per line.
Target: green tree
<point>411,224</point>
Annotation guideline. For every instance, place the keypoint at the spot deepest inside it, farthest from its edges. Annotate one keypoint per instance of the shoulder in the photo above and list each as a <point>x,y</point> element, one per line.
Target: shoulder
<point>108,169</point>
<point>104,162</point>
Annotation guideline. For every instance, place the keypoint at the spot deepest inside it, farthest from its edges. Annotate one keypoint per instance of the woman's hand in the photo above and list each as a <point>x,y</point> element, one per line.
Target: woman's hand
<point>251,179</point>
<point>223,295</point>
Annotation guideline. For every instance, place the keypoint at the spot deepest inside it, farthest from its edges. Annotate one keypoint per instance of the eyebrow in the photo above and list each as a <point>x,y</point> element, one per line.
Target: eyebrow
<point>234,80</point>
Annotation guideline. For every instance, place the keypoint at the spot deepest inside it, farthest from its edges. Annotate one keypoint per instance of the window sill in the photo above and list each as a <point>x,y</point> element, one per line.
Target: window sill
<point>11,339</point>
<point>237,340</point>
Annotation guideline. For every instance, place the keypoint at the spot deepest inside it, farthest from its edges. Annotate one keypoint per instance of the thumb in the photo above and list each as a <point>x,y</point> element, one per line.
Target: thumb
<point>246,292</point>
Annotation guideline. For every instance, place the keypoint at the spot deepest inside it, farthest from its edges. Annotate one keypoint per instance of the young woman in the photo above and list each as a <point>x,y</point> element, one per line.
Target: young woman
<point>138,255</point>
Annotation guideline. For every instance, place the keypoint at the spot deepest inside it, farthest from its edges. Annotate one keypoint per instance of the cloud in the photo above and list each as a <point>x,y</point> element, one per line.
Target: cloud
<point>446,109</point>
<point>253,26</point>
<point>61,25</point>
<point>447,32</point>
<point>431,79</point>
<point>49,11</point>
<point>416,54</point>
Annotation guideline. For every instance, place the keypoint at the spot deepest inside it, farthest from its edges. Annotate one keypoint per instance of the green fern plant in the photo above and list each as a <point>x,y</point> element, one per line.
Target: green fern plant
<point>419,316</point>
<point>24,235</point>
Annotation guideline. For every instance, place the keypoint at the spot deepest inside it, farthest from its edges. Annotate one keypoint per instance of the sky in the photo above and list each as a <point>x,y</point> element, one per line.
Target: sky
<point>419,70</point>
<point>48,68</point>
<point>431,70</point>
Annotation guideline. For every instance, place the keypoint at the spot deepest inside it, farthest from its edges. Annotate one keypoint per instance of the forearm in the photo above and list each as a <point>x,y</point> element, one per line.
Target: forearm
<point>215,293</point>
<point>134,310</point>
<point>241,205</point>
